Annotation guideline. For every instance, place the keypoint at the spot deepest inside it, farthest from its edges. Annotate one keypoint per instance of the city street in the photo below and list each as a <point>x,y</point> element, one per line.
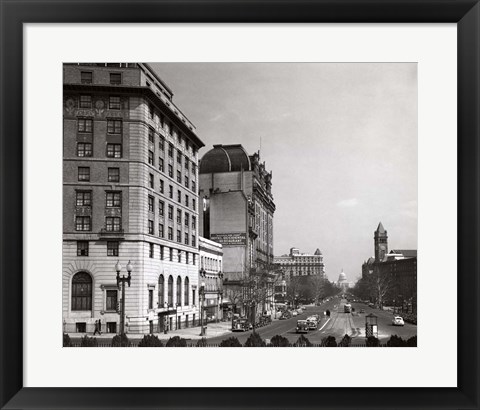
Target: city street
<point>337,325</point>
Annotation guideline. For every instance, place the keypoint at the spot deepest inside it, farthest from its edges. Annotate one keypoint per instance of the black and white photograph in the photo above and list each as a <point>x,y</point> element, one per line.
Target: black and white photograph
<point>240,204</point>
<point>255,175</point>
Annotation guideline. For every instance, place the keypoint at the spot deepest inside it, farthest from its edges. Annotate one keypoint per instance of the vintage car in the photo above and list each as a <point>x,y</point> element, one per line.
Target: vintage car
<point>312,324</point>
<point>302,326</point>
<point>240,325</point>
<point>398,321</point>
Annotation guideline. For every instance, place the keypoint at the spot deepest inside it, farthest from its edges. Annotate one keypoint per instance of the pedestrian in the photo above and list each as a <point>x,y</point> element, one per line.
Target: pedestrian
<point>96,328</point>
<point>99,327</point>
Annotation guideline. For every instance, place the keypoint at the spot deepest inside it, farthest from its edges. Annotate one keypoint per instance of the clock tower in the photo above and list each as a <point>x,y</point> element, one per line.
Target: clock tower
<point>381,243</point>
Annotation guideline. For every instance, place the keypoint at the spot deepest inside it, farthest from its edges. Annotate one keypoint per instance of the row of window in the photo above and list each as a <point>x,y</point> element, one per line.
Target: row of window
<point>170,129</point>
<point>161,167</point>
<point>83,248</point>
<point>113,174</point>
<point>210,264</point>
<point>114,102</point>
<point>161,212</point>
<point>166,253</point>
<point>114,127</point>
<point>161,234</point>
<point>112,223</point>
<point>161,146</point>
<point>112,198</point>
<point>86,77</point>
<point>85,126</point>
<point>85,149</point>
<point>114,150</point>
<point>82,293</point>
<point>151,184</point>
<point>113,250</point>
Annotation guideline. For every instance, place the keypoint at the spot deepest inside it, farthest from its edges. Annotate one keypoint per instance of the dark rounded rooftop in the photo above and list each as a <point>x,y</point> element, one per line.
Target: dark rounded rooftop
<point>225,158</point>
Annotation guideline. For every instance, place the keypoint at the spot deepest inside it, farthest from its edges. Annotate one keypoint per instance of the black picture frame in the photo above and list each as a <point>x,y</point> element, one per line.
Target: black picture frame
<point>14,13</point>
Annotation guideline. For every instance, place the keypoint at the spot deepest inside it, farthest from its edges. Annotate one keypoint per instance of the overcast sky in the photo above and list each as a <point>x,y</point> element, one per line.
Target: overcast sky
<point>341,140</point>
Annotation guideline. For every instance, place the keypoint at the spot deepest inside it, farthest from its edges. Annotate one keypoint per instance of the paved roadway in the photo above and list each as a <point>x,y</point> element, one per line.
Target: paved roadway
<point>337,325</point>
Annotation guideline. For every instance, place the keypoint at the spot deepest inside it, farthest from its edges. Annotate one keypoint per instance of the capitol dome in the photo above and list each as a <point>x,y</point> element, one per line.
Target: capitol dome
<point>342,277</point>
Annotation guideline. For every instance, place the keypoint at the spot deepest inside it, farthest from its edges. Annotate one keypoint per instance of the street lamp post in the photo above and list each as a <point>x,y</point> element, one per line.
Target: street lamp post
<point>202,308</point>
<point>220,296</point>
<point>122,280</point>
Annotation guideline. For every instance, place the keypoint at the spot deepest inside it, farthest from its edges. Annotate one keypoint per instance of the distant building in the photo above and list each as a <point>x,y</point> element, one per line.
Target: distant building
<point>400,265</point>
<point>301,264</point>
<point>281,292</point>
<point>381,243</point>
<point>343,283</point>
<point>129,193</point>
<point>237,208</point>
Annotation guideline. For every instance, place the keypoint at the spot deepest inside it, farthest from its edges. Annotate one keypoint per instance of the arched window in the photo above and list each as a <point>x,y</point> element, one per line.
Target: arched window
<point>82,291</point>
<point>179,290</point>
<point>170,290</point>
<point>186,298</point>
<point>161,291</point>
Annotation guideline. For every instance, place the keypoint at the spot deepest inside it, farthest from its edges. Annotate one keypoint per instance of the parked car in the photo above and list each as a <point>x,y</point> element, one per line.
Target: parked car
<point>240,325</point>
<point>294,313</point>
<point>286,315</point>
<point>398,321</point>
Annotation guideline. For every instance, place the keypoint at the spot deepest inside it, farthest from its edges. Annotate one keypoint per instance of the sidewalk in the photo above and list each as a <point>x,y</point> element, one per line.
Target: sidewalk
<point>192,333</point>
<point>213,330</point>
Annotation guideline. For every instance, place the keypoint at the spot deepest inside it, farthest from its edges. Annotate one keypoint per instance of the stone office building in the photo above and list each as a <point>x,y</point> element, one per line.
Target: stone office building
<point>129,194</point>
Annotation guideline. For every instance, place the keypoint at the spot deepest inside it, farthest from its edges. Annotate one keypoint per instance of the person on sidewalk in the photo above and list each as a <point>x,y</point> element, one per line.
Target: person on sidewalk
<point>96,328</point>
<point>100,326</point>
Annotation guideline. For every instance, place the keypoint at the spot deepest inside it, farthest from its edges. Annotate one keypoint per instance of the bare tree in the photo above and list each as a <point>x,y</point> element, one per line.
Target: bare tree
<point>255,292</point>
<point>293,290</point>
<point>379,284</point>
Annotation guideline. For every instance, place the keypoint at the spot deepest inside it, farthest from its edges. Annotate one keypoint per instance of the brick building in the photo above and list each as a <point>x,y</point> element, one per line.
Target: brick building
<point>129,193</point>
<point>399,266</point>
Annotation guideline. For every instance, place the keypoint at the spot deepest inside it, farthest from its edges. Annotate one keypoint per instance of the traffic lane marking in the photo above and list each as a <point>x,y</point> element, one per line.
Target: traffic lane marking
<point>324,324</point>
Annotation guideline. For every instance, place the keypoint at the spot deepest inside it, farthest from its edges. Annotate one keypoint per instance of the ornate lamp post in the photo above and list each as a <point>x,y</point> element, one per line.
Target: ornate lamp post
<point>122,280</point>
<point>202,308</point>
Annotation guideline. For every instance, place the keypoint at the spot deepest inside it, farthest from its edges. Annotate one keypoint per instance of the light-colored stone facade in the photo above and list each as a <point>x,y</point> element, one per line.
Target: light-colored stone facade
<point>211,276</point>
<point>129,193</point>
<point>301,264</point>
